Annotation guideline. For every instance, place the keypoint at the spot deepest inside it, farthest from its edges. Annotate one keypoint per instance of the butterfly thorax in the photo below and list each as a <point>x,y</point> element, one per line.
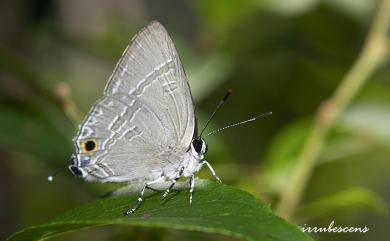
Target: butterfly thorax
<point>191,161</point>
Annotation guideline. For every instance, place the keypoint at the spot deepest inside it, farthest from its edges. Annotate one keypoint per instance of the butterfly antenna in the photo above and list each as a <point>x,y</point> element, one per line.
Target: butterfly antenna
<point>220,104</point>
<point>240,123</point>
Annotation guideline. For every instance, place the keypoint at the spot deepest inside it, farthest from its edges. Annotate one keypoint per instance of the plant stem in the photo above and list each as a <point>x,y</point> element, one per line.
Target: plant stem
<point>63,93</point>
<point>373,53</point>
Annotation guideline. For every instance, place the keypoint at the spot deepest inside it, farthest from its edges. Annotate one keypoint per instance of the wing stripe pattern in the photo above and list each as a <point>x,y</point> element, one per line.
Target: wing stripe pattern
<point>146,116</point>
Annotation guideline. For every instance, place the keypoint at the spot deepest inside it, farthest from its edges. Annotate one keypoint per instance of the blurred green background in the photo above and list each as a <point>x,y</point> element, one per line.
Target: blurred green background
<point>281,56</point>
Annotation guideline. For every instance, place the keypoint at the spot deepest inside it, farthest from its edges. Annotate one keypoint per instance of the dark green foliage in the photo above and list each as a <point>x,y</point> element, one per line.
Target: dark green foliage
<point>217,208</point>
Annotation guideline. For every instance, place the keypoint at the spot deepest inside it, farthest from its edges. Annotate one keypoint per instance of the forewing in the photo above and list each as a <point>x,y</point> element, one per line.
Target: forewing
<point>151,70</point>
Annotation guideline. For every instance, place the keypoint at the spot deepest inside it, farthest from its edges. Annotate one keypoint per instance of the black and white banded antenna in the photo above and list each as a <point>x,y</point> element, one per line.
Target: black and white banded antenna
<point>240,123</point>
<point>220,104</point>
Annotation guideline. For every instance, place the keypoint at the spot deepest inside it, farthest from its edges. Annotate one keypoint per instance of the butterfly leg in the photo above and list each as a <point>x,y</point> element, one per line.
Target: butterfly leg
<point>173,183</point>
<point>192,185</point>
<point>211,170</point>
<point>141,195</point>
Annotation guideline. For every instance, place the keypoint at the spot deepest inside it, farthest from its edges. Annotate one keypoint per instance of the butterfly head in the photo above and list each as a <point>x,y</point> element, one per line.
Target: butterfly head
<point>199,146</point>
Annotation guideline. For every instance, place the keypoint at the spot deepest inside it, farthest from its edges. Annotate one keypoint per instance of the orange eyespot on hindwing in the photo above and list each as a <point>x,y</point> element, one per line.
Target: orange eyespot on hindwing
<point>88,146</point>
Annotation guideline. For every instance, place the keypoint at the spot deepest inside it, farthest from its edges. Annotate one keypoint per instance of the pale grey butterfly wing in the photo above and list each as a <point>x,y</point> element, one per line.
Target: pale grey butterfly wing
<point>145,120</point>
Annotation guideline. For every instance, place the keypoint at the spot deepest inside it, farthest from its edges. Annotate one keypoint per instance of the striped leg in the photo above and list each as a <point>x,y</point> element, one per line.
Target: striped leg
<point>173,183</point>
<point>141,195</point>
<point>211,170</point>
<point>192,185</point>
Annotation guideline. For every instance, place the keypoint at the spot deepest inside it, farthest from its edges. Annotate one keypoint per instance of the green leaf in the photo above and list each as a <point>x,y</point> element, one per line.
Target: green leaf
<point>354,197</point>
<point>216,208</point>
<point>282,155</point>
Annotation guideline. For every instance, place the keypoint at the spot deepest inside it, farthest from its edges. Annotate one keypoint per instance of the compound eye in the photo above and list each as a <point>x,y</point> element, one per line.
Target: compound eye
<point>197,144</point>
<point>88,146</point>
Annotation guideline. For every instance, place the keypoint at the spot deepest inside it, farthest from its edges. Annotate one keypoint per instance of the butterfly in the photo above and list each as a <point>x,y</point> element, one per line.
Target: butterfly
<point>143,128</point>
